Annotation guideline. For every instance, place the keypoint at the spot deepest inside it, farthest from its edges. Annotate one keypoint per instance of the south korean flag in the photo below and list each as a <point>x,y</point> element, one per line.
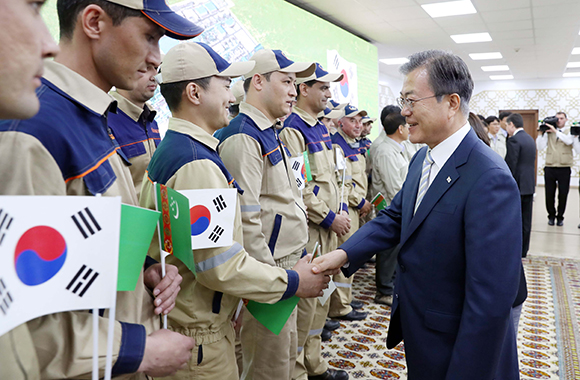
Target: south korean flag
<point>56,254</point>
<point>212,213</point>
<point>298,169</point>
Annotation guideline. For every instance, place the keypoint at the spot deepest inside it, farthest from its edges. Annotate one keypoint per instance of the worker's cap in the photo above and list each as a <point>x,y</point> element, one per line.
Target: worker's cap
<point>367,119</point>
<point>238,91</point>
<point>321,75</point>
<point>334,105</point>
<point>159,12</point>
<point>331,114</point>
<point>195,60</point>
<point>268,61</point>
<point>352,111</point>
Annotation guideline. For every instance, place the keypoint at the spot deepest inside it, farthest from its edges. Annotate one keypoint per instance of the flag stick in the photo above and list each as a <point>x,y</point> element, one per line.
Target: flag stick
<point>110,336</point>
<point>95,344</point>
<point>342,189</point>
<point>313,252</point>
<point>110,332</point>
<point>161,251</point>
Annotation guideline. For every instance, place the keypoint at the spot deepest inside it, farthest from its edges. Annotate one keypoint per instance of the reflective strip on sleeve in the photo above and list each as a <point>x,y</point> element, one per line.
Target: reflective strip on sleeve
<point>220,259</point>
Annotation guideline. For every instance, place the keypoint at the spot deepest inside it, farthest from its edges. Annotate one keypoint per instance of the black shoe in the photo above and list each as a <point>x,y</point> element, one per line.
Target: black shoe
<point>560,223</point>
<point>357,305</point>
<point>353,316</point>
<point>331,374</point>
<point>326,335</point>
<point>579,226</point>
<point>331,325</point>
<point>551,222</point>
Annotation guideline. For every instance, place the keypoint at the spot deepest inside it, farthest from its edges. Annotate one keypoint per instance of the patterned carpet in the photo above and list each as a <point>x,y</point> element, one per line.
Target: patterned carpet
<point>548,336</point>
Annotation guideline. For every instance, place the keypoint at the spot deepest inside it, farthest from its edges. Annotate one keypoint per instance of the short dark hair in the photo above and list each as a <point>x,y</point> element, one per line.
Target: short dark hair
<point>448,74</point>
<point>68,12</point>
<point>516,119</point>
<point>173,92</point>
<point>562,113</point>
<point>504,114</point>
<point>388,110</point>
<point>309,83</point>
<point>477,126</point>
<point>392,122</point>
<point>247,81</point>
<point>491,119</point>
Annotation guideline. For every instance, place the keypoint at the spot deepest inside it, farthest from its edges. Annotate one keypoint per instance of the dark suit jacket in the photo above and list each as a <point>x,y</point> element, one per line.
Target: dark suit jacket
<point>454,289</point>
<point>521,159</point>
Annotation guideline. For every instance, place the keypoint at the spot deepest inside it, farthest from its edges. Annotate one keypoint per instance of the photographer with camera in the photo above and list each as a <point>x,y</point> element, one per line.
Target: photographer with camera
<point>558,163</point>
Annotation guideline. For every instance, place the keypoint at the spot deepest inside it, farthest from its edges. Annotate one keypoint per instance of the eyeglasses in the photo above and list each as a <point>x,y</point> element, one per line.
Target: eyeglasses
<point>406,102</point>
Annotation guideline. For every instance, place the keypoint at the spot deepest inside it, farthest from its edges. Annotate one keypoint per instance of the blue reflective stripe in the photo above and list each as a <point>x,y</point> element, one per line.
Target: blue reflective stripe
<point>223,257</point>
<point>250,208</point>
<point>315,332</point>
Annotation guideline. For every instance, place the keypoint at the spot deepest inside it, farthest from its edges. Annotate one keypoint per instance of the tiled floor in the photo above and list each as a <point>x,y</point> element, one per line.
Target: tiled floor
<point>563,242</point>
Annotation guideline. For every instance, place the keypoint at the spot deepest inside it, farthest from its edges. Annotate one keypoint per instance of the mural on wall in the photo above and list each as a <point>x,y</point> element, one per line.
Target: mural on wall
<point>345,91</point>
<point>546,101</point>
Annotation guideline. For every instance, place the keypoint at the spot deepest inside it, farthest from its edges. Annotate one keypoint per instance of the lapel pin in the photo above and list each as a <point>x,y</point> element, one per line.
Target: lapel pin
<point>448,179</point>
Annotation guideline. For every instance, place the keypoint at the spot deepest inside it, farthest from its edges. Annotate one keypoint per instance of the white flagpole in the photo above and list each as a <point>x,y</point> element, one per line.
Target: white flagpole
<point>110,333</point>
<point>95,344</point>
<point>342,190</point>
<point>161,251</point>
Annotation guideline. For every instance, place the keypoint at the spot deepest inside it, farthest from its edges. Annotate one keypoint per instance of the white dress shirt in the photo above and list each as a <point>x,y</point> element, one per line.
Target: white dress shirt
<point>445,149</point>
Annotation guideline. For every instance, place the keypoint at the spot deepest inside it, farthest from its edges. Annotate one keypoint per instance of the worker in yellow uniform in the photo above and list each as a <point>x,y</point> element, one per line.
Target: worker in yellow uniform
<point>355,185</point>
<point>273,214</point>
<point>66,150</point>
<point>195,83</point>
<point>21,54</point>
<point>134,126</point>
<point>303,132</point>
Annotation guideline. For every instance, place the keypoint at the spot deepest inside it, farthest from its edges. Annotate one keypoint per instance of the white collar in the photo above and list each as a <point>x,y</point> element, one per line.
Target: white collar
<point>447,147</point>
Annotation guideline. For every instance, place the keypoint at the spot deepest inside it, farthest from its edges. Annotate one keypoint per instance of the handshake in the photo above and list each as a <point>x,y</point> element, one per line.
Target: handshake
<point>315,275</point>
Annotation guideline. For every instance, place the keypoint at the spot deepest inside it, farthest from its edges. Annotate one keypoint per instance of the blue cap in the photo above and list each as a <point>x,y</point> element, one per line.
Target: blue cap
<point>351,111</point>
<point>159,12</point>
<point>321,75</point>
<point>268,60</point>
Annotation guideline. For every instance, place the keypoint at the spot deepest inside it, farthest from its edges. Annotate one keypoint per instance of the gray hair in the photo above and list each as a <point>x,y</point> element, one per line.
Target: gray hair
<point>448,74</point>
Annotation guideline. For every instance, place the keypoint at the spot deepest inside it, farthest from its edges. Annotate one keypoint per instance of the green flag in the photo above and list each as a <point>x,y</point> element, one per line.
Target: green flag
<point>379,202</point>
<point>175,224</point>
<point>308,174</point>
<point>275,316</point>
<point>137,228</point>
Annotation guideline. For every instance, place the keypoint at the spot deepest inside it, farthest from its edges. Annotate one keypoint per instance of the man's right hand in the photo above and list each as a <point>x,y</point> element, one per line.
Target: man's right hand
<point>333,260</point>
<point>341,224</point>
<point>311,284</point>
<point>166,352</point>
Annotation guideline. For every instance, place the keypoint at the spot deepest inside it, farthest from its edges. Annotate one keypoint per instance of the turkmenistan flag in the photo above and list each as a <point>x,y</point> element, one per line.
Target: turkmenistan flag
<point>379,202</point>
<point>306,169</point>
<point>175,224</point>
<point>137,229</point>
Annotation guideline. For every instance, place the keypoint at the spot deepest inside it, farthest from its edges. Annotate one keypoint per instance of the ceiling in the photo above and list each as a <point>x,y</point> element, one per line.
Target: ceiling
<point>535,37</point>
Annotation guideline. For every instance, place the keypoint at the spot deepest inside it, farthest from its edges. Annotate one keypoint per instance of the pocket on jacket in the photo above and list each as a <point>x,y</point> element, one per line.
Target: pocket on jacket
<point>439,321</point>
<point>445,208</point>
<point>275,233</point>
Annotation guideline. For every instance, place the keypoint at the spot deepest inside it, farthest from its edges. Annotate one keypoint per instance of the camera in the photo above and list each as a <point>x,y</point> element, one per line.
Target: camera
<point>552,120</point>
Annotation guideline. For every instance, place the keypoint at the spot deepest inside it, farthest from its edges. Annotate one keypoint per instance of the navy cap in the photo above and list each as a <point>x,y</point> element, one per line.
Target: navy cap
<point>321,75</point>
<point>159,12</point>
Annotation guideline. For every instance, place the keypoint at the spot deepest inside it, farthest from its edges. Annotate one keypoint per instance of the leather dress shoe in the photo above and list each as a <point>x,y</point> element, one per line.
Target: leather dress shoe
<point>384,299</point>
<point>331,325</point>
<point>560,223</point>
<point>353,316</point>
<point>357,304</point>
<point>550,222</point>
<point>325,335</point>
<point>331,374</point>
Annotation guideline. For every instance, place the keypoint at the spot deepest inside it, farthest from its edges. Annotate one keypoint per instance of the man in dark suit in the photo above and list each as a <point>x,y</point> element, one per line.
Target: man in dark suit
<point>454,289</point>
<point>521,159</point>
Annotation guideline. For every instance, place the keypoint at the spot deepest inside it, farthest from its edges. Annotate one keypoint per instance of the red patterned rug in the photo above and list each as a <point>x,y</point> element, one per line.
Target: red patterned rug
<point>548,336</point>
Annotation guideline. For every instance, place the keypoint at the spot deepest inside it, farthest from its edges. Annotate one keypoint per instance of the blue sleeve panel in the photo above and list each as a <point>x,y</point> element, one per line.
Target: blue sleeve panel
<point>293,281</point>
<point>327,222</point>
<point>361,204</point>
<point>132,349</point>
<point>344,207</point>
